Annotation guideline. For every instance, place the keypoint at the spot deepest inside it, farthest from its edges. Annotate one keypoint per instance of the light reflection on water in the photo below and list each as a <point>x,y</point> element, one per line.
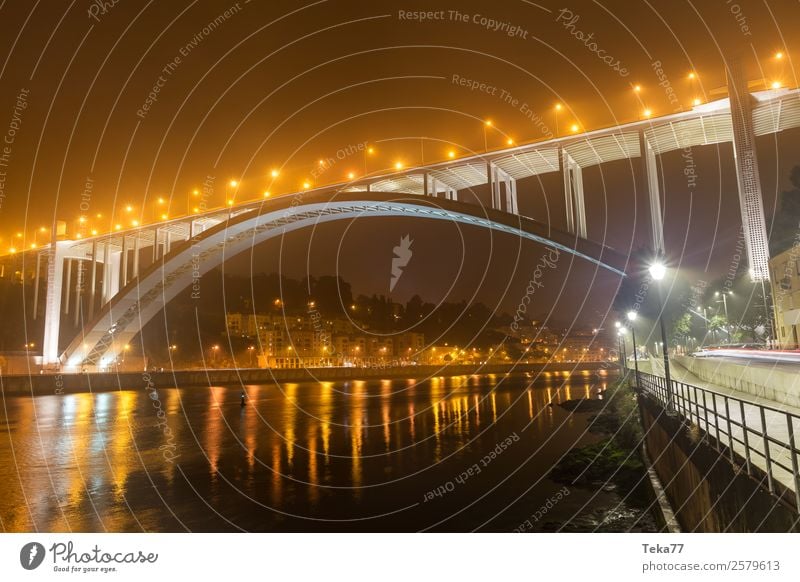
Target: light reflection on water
<point>311,456</point>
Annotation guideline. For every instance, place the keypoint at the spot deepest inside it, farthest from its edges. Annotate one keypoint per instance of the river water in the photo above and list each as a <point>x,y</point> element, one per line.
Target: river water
<point>446,454</point>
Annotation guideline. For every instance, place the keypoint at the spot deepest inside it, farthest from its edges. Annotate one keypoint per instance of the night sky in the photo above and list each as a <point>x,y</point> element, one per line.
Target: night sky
<point>244,88</point>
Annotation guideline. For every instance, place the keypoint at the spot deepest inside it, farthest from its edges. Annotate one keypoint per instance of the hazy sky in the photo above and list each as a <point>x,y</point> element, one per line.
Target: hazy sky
<point>135,101</point>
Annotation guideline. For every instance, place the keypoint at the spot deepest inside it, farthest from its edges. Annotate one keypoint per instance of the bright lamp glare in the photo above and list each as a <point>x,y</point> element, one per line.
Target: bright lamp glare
<point>657,271</point>
<point>632,315</point>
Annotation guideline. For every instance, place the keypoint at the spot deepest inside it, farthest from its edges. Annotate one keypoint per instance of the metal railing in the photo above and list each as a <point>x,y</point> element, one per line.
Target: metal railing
<point>756,432</point>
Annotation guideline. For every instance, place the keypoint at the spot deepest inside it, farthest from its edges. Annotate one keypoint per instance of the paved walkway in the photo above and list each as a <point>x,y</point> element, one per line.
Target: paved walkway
<point>740,405</point>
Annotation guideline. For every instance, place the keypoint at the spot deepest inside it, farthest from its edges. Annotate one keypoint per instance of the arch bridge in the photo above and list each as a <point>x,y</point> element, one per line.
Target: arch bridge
<point>102,274</point>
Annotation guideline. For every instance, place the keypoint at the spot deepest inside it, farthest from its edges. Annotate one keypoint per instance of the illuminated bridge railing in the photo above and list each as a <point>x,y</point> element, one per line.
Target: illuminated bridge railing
<point>764,436</point>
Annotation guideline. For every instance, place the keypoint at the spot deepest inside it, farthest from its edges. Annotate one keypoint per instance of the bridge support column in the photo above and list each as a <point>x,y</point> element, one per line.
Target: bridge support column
<point>106,272</point>
<point>155,245</point>
<point>52,310</point>
<point>124,260</point>
<point>511,192</point>
<point>36,286</point>
<point>747,176</point>
<point>93,281</point>
<point>573,194</point>
<point>69,286</point>
<point>432,188</point>
<point>114,274</point>
<point>494,185</point>
<point>78,290</point>
<point>650,175</point>
<point>136,256</point>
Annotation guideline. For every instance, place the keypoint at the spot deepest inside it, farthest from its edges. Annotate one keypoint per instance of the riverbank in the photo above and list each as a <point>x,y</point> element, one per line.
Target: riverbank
<point>46,384</point>
<point>613,464</point>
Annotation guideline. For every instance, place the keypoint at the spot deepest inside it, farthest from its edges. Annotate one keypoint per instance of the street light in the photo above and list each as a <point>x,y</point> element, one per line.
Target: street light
<point>657,271</point>
<point>487,123</point>
<point>367,152</point>
<point>724,300</point>
<point>556,110</point>
<point>621,347</point>
<point>632,317</point>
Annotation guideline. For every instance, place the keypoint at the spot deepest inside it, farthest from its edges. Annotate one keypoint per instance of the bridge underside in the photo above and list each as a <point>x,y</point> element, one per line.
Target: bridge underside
<point>101,341</point>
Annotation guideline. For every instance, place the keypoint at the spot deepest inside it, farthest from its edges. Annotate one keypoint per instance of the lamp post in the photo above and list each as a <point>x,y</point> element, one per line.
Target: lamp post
<point>621,344</point>
<point>724,300</point>
<point>556,111</point>
<point>487,123</point>
<point>657,272</point>
<point>632,317</point>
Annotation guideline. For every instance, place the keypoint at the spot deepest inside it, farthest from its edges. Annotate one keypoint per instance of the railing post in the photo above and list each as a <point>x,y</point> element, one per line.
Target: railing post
<point>716,421</point>
<point>745,438</point>
<point>767,455</point>
<point>730,429</point>
<point>705,414</point>
<point>790,426</point>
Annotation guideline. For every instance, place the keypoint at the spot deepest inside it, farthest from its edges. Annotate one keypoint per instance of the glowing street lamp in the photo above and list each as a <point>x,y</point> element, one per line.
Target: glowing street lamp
<point>658,271</point>
<point>724,300</point>
<point>369,151</point>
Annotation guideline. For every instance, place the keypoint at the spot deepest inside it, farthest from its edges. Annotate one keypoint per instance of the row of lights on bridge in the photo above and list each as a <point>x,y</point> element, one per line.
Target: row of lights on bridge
<point>162,214</point>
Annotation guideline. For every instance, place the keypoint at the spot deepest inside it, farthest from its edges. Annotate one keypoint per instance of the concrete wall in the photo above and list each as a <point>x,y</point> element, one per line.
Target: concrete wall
<point>775,383</point>
<point>706,490</point>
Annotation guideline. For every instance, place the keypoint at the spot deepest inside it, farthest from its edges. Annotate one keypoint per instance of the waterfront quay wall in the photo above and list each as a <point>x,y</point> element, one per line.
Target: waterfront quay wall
<point>707,491</point>
<point>43,384</point>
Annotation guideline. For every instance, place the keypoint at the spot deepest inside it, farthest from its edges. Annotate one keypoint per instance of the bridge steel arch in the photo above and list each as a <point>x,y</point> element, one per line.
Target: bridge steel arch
<point>101,341</point>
